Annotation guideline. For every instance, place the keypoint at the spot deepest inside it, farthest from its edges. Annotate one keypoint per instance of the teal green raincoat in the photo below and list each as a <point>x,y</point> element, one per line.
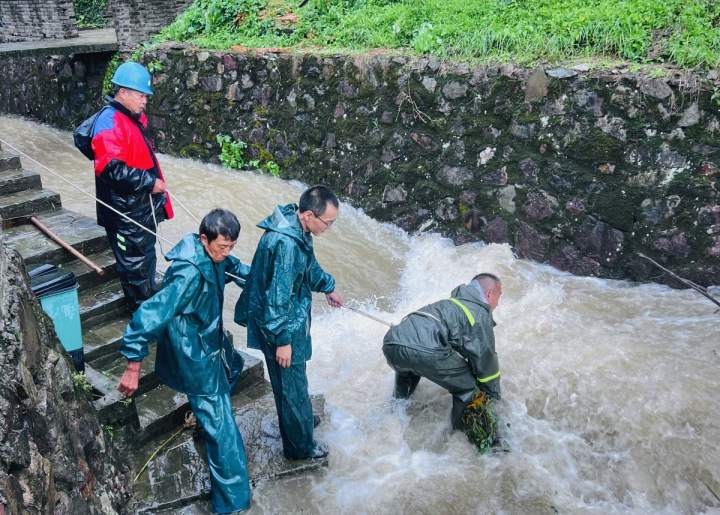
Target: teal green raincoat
<point>185,319</point>
<point>275,303</point>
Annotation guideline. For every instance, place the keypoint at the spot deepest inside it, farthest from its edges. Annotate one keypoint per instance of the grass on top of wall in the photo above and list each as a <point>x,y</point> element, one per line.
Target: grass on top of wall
<point>680,32</point>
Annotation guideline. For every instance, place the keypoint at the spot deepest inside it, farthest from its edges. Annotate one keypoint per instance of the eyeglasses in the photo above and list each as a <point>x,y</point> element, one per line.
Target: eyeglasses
<point>327,224</point>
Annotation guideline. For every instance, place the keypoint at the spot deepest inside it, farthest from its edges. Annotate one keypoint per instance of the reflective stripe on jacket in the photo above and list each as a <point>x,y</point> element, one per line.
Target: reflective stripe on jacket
<point>462,323</point>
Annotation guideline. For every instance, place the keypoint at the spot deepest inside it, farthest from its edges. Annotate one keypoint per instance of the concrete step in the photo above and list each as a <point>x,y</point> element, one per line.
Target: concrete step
<point>12,181</point>
<point>88,278</point>
<point>104,339</point>
<point>177,480</point>
<point>9,161</point>
<point>101,303</point>
<point>28,202</point>
<point>79,231</point>
<point>112,407</point>
<point>163,408</point>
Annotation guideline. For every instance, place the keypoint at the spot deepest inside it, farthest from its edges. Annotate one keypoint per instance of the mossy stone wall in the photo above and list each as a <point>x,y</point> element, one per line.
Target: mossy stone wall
<point>580,169</point>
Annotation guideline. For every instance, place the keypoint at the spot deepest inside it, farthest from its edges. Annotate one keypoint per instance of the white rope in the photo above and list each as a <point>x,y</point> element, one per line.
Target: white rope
<point>180,203</point>
<point>157,229</point>
<point>78,188</point>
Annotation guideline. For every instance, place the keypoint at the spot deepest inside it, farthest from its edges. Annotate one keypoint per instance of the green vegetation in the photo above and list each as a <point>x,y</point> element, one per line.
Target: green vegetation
<point>681,32</point>
<point>481,422</point>
<point>81,383</point>
<point>232,155</point>
<point>90,14</point>
<point>109,431</point>
<point>109,72</point>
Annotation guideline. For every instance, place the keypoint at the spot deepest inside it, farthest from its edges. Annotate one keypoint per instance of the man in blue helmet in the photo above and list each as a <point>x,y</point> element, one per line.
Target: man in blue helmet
<point>128,178</point>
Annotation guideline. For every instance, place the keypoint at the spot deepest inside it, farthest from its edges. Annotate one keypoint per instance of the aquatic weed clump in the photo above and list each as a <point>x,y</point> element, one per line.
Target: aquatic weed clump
<point>480,421</point>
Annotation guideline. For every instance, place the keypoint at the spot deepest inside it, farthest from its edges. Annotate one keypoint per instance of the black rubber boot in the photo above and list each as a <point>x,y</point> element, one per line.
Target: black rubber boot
<point>405,384</point>
<point>460,402</point>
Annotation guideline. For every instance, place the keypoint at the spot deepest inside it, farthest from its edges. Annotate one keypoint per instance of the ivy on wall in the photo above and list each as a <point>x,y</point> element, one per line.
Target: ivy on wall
<point>91,14</point>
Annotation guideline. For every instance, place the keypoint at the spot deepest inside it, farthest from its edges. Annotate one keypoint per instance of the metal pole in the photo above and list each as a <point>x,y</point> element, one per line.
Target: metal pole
<point>368,315</point>
<point>54,237</point>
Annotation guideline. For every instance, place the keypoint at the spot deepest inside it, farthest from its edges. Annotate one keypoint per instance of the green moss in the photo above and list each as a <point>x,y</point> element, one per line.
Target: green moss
<point>618,206</point>
<point>194,151</point>
<point>596,146</point>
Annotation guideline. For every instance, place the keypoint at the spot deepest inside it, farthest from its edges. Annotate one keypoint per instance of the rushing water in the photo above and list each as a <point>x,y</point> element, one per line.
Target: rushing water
<point>611,389</point>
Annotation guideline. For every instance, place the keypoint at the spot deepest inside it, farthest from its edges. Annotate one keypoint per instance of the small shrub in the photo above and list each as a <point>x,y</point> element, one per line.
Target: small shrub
<point>155,66</point>
<point>272,168</point>
<point>231,151</point>
<point>81,383</point>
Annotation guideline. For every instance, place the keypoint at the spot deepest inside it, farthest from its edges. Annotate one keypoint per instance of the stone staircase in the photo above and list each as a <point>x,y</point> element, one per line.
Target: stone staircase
<point>156,411</point>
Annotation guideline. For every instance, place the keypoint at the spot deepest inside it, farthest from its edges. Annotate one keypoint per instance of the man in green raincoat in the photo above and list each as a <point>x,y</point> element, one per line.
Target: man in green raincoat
<point>275,308</point>
<point>451,343</point>
<point>193,354</point>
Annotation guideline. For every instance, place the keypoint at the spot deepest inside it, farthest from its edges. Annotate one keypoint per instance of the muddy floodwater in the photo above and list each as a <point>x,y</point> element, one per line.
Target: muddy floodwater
<point>611,390</point>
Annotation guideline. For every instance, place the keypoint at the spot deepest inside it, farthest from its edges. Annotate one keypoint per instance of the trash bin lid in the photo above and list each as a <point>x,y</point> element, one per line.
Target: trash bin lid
<point>49,279</point>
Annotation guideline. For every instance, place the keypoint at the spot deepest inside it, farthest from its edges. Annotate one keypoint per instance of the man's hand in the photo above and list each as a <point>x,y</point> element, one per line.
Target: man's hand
<point>334,299</point>
<point>283,355</point>
<point>130,378</point>
<point>159,186</point>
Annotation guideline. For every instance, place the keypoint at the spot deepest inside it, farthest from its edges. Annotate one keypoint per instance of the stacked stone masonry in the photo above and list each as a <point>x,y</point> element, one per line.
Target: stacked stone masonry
<point>579,168</point>
<point>138,20</point>
<point>59,88</point>
<point>33,20</point>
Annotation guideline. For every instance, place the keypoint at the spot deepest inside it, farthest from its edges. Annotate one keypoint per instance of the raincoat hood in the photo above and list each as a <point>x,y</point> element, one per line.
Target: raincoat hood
<point>470,293</point>
<point>284,220</point>
<point>191,250</point>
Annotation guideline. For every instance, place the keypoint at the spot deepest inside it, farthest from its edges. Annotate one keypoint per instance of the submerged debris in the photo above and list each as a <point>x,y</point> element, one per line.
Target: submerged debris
<point>481,422</point>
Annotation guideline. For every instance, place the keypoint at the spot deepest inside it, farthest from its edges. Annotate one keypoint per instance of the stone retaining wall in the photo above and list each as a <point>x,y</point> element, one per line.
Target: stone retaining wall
<point>32,20</point>
<point>136,21</point>
<point>575,168</point>
<point>580,169</point>
<point>57,88</point>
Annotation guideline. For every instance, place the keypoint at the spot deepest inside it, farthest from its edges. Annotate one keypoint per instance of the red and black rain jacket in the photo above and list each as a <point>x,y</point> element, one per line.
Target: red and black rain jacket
<point>126,169</point>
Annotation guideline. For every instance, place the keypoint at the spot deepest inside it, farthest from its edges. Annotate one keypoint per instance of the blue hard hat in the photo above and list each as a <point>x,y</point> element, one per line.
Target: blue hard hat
<point>135,76</point>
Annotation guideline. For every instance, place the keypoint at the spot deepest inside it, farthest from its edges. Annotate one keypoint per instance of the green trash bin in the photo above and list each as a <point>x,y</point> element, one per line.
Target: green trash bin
<point>57,291</point>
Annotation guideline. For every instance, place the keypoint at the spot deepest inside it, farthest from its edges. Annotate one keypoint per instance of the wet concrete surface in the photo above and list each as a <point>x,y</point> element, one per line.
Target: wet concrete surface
<point>177,480</point>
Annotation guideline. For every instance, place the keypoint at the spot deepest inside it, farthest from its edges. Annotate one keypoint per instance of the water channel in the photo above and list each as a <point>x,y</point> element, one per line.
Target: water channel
<point>611,389</point>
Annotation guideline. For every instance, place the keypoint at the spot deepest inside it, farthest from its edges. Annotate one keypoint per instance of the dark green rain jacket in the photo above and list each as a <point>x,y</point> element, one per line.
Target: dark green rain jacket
<point>275,303</point>
<point>464,325</point>
<point>185,319</point>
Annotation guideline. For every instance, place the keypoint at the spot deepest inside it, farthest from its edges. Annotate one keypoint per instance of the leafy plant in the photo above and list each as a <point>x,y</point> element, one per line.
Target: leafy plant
<point>109,72</point>
<point>480,421</point>
<point>232,155</point>
<point>81,383</point>
<point>231,151</point>
<point>90,14</point>
<point>155,66</point>
<point>109,431</point>
<point>272,168</point>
